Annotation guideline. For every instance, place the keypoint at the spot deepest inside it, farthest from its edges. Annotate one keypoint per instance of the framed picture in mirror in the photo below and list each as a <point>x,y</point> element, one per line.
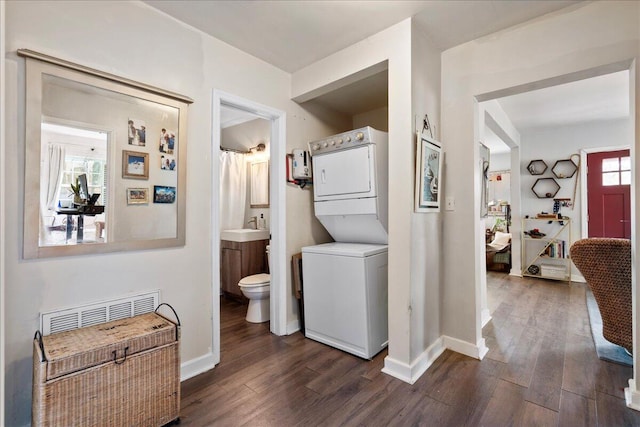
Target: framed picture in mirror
<point>135,165</point>
<point>137,196</point>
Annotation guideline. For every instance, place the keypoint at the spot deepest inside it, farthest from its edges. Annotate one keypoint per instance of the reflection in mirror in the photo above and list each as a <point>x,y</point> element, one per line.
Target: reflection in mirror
<point>260,184</point>
<point>124,139</point>
<point>499,191</point>
<point>67,153</point>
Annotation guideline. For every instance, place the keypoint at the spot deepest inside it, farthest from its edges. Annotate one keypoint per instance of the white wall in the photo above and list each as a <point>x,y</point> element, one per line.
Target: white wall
<point>414,262</point>
<point>500,161</point>
<point>426,228</point>
<point>150,47</point>
<point>546,48</point>
<point>559,143</point>
<point>390,48</point>
<point>377,119</point>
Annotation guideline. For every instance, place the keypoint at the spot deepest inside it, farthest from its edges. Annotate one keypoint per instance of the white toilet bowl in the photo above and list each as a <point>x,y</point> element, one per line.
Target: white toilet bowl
<point>256,289</point>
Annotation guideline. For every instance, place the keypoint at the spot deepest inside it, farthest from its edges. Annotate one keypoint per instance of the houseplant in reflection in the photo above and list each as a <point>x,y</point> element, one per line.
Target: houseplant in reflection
<point>76,190</point>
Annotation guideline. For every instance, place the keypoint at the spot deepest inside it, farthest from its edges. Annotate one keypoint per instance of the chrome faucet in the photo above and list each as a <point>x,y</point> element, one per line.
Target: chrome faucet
<point>254,220</point>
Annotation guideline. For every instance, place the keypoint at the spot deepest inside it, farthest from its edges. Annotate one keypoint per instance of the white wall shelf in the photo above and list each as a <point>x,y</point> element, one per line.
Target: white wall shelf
<point>547,257</point>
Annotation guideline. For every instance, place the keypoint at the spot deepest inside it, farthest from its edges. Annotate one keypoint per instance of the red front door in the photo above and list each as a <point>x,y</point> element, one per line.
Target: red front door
<point>609,194</point>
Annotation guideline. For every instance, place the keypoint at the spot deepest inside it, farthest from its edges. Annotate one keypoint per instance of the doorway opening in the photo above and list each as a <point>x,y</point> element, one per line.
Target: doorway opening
<point>596,109</point>
<point>225,106</point>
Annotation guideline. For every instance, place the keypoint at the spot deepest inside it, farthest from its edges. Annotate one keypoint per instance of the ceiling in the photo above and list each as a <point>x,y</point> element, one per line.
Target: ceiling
<point>230,116</point>
<point>294,34</point>
<point>599,98</point>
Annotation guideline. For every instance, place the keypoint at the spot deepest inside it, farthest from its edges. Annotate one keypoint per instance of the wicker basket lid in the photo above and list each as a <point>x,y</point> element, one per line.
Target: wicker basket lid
<point>79,349</point>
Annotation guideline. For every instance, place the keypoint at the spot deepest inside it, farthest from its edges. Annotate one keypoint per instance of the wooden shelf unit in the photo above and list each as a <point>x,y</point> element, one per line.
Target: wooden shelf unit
<point>549,253</point>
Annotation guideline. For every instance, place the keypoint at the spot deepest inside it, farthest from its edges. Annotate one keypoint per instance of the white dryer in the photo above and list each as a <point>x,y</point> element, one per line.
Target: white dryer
<point>345,283</point>
<point>350,183</point>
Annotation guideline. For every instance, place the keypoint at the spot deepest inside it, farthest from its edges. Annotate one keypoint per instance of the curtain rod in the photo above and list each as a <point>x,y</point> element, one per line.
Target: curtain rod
<point>234,150</point>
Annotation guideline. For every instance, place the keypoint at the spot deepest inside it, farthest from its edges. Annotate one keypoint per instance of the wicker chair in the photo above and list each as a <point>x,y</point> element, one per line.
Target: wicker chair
<point>606,266</point>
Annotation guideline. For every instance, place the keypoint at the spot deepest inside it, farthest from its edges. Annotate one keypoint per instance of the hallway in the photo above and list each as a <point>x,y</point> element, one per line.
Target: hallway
<point>541,369</point>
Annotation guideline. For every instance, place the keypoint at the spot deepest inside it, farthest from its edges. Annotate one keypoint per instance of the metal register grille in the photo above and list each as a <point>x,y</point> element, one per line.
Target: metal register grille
<point>86,315</point>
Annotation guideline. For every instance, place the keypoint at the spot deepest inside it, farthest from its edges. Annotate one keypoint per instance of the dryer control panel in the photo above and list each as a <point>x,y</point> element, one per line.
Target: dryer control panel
<point>342,141</point>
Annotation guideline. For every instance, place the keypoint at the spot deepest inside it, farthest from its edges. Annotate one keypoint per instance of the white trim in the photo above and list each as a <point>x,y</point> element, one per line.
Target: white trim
<point>411,373</point>
<point>397,369</point>
<point>293,326</point>
<point>3,113</point>
<point>584,222</point>
<point>577,278</point>
<point>632,395</point>
<point>278,324</point>
<point>485,316</point>
<point>477,351</point>
<point>197,366</point>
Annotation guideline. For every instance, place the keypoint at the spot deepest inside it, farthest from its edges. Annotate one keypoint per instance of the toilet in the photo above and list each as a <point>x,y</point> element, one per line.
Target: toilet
<point>256,289</point>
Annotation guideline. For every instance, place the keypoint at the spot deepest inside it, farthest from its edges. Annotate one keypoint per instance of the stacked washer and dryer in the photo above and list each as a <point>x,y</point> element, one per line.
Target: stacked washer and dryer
<point>345,282</point>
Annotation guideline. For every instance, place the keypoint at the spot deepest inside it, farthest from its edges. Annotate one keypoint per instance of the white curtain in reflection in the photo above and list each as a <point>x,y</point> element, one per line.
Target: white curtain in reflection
<point>233,190</point>
<point>56,165</point>
<point>51,175</point>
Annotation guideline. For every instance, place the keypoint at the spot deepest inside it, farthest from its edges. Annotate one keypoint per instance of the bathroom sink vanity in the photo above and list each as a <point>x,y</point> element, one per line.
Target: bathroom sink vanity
<point>244,235</point>
<point>242,253</point>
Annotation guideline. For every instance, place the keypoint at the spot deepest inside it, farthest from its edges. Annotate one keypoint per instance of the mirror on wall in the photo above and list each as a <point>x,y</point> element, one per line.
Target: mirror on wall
<point>499,191</point>
<point>105,167</point>
<point>485,156</point>
<point>260,184</point>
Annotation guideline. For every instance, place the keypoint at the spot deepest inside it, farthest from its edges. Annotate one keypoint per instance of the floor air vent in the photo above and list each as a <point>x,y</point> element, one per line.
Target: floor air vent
<point>92,314</point>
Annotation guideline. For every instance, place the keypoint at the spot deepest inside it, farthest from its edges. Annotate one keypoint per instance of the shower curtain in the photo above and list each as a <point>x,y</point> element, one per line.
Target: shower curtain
<point>233,190</point>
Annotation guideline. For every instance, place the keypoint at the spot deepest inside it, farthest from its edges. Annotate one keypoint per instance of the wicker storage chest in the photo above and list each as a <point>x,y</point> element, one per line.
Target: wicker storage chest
<point>120,373</point>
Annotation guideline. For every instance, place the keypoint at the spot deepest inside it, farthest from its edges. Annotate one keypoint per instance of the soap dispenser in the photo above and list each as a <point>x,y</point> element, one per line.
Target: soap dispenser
<point>262,224</point>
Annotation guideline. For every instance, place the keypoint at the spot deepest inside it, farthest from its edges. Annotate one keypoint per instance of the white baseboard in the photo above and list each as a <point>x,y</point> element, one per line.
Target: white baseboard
<point>196,366</point>
<point>411,373</point>
<point>477,351</point>
<point>632,396</point>
<point>293,326</point>
<point>515,272</point>
<point>577,278</point>
<point>485,316</point>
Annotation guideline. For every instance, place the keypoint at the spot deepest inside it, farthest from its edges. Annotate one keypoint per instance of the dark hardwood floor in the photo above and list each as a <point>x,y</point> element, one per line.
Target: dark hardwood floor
<point>541,370</point>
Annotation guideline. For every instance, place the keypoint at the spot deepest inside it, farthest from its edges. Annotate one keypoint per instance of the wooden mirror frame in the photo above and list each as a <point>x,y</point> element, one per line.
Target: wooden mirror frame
<point>37,65</point>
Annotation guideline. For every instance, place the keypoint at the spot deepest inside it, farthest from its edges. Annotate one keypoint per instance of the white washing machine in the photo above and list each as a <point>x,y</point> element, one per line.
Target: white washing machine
<point>345,296</point>
<point>345,283</point>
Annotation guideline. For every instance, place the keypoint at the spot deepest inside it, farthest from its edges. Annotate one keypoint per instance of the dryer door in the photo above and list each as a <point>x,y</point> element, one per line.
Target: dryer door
<point>344,174</point>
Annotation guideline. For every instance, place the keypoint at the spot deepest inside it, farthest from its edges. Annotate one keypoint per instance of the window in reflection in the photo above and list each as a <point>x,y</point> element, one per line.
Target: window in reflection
<point>67,152</point>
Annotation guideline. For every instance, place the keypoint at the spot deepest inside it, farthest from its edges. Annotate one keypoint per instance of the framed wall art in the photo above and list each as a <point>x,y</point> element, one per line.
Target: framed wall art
<point>137,196</point>
<point>164,194</point>
<point>135,165</point>
<point>428,174</point>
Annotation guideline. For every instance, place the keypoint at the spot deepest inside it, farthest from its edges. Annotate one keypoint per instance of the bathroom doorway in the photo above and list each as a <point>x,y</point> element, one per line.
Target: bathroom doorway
<point>248,142</point>
<point>244,202</point>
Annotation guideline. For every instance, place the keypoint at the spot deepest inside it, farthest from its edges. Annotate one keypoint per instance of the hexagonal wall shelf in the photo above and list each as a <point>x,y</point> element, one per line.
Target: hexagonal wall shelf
<point>545,188</point>
<point>537,167</point>
<point>564,169</point>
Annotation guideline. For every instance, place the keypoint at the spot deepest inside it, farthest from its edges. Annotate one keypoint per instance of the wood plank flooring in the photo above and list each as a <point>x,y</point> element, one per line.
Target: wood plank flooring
<point>541,370</point>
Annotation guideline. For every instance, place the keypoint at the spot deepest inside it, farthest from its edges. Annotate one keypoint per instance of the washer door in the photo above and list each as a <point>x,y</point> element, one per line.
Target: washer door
<point>345,174</point>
